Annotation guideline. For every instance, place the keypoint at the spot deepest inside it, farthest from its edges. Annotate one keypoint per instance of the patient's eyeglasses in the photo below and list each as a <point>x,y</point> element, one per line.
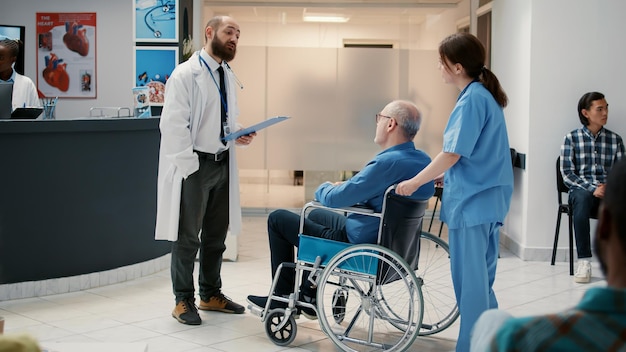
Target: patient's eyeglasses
<point>379,116</point>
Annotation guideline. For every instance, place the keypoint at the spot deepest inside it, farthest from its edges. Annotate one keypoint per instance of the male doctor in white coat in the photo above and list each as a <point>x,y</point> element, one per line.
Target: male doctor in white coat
<point>198,189</point>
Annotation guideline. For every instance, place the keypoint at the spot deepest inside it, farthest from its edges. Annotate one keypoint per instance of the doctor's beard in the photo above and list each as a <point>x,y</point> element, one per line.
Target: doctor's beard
<point>220,50</point>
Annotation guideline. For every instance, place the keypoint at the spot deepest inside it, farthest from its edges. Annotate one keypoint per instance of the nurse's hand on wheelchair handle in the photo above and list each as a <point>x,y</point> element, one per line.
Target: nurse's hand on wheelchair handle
<point>406,188</point>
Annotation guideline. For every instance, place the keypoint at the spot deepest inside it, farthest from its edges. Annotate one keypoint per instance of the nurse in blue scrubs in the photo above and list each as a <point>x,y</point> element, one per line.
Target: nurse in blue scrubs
<point>478,180</point>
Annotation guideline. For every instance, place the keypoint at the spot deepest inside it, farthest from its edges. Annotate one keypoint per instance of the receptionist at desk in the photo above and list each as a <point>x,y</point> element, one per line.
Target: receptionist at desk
<point>24,90</point>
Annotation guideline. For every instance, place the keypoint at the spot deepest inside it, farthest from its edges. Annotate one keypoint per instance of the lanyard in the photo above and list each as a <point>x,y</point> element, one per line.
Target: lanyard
<point>224,103</point>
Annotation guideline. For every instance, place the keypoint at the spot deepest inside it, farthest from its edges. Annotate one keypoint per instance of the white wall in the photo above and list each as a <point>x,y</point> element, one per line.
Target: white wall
<point>114,48</point>
<point>547,55</point>
<point>510,61</point>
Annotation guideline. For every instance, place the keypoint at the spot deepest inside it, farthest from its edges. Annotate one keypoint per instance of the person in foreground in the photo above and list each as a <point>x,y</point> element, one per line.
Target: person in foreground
<point>585,172</point>
<point>478,180</point>
<point>18,343</point>
<point>24,90</point>
<point>396,126</point>
<point>598,322</point>
<point>198,189</point>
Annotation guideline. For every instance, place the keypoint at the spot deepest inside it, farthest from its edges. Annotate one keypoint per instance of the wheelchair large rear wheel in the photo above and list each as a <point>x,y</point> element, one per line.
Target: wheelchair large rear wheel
<point>433,272</point>
<point>383,300</point>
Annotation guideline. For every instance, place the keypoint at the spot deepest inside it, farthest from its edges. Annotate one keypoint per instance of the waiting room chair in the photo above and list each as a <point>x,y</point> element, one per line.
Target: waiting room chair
<point>564,208</point>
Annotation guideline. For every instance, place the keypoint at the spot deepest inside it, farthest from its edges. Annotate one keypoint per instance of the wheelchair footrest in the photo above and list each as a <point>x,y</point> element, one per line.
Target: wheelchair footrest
<point>254,309</point>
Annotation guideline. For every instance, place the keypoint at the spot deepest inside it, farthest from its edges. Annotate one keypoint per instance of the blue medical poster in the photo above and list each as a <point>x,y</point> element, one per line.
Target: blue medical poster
<point>156,21</point>
<point>153,66</point>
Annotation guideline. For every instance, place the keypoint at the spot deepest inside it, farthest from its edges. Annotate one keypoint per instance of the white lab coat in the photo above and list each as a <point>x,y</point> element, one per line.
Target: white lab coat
<point>24,92</point>
<point>186,89</point>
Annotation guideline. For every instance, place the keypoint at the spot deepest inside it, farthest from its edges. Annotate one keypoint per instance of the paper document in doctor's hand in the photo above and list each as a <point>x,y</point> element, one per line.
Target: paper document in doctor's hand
<point>255,128</point>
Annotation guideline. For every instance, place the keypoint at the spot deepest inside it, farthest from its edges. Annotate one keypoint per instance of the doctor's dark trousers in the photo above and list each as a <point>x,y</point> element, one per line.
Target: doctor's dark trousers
<point>203,206</point>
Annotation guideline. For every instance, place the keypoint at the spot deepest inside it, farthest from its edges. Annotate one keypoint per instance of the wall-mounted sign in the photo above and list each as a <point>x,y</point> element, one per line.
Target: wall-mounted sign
<point>66,54</point>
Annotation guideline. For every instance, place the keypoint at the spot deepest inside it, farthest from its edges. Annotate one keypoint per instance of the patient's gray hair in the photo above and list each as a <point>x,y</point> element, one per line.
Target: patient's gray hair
<point>408,117</point>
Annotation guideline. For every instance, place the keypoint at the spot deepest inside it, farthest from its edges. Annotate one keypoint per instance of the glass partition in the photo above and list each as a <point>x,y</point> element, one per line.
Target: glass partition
<point>332,93</point>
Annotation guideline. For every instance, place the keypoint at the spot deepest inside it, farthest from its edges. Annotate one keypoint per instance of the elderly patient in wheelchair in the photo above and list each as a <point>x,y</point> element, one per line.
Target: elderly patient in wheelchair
<point>396,126</point>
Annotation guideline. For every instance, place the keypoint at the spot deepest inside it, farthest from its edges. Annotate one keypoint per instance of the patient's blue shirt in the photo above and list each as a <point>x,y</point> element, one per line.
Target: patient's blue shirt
<point>391,166</point>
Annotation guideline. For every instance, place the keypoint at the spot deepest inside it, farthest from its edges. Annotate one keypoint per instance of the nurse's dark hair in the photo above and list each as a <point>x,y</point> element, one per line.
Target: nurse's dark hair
<point>12,44</point>
<point>585,103</point>
<point>214,23</point>
<point>467,50</point>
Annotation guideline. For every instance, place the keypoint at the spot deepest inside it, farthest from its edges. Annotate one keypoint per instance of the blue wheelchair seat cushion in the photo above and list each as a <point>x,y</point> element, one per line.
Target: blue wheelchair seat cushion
<point>310,248</point>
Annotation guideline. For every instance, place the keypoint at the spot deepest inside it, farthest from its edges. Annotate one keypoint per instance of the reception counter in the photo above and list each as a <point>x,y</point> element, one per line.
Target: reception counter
<point>77,196</point>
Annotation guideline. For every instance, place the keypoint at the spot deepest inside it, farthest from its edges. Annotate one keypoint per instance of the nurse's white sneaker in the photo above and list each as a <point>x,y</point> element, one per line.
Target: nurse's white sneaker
<point>583,272</point>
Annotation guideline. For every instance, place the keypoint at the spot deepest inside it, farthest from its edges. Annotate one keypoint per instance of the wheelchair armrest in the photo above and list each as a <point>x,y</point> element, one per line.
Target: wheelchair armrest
<point>355,209</point>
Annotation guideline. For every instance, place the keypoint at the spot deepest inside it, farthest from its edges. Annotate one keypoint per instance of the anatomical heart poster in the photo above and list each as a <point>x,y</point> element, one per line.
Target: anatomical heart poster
<point>66,54</point>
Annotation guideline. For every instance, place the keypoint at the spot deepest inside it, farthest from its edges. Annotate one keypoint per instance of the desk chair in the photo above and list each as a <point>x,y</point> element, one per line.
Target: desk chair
<point>564,208</point>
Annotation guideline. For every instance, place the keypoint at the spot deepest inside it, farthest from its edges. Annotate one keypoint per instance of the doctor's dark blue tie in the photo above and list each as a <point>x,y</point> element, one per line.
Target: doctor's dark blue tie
<point>224,101</point>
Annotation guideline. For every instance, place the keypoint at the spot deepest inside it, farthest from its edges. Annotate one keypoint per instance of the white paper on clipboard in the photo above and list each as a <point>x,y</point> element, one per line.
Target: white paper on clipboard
<point>255,128</point>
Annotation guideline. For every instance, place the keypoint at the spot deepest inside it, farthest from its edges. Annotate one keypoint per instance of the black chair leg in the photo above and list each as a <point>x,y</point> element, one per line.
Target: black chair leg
<point>440,227</point>
<point>432,217</point>
<point>556,237</point>
<point>571,246</point>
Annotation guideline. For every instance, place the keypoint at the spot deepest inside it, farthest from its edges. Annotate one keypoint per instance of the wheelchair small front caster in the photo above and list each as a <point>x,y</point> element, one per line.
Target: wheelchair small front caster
<point>282,332</point>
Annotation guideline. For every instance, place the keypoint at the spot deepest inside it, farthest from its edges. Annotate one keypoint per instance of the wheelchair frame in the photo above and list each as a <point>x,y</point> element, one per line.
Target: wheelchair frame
<point>394,305</point>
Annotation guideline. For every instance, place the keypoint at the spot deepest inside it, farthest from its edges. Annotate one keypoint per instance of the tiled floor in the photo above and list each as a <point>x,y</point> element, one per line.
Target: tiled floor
<point>139,310</point>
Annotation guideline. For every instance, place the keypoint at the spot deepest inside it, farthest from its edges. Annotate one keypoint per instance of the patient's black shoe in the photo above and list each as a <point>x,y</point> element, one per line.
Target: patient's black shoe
<point>261,301</point>
<point>307,295</point>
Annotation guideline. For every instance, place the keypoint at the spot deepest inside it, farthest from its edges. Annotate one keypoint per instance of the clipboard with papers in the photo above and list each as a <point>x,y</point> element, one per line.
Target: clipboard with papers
<point>255,128</point>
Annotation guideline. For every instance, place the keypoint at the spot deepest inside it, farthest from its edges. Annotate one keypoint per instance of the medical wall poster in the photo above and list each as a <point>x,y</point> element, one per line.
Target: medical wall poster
<point>153,66</point>
<point>156,21</point>
<point>66,54</point>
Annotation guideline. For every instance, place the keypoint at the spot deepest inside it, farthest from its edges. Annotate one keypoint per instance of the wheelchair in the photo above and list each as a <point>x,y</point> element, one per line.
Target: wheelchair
<point>370,296</point>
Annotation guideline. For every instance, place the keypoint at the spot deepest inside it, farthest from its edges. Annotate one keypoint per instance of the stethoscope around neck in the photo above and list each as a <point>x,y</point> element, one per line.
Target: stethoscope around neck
<point>202,61</point>
<point>224,102</point>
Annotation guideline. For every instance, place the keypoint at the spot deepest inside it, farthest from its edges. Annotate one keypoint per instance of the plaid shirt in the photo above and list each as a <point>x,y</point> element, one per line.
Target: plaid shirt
<point>598,323</point>
<point>587,159</point>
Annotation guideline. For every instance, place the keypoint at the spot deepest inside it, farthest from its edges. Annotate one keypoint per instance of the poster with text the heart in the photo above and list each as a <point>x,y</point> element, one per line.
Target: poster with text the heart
<point>66,54</point>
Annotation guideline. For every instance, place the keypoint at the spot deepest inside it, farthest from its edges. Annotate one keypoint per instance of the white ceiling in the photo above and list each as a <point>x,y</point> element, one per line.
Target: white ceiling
<point>359,11</point>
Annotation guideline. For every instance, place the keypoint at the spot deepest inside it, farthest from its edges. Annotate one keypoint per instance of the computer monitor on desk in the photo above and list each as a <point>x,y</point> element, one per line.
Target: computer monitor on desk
<point>6,95</point>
